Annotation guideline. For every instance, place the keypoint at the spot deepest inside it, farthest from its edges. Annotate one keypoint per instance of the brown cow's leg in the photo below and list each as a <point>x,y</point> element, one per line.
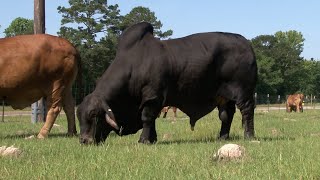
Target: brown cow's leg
<point>174,109</point>
<point>165,111</point>
<point>68,107</point>
<point>301,108</point>
<point>54,106</point>
<point>53,111</point>
<point>298,106</point>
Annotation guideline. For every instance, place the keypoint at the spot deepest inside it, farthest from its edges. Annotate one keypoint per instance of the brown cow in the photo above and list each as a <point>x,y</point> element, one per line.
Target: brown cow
<point>295,103</point>
<point>35,66</point>
<point>165,111</point>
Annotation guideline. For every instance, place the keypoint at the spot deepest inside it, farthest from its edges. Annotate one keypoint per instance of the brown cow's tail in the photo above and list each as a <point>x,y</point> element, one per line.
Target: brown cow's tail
<point>79,81</point>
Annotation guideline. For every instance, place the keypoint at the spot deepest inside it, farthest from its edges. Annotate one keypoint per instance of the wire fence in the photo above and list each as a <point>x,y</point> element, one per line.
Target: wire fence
<point>271,102</point>
<point>264,102</point>
<point>78,93</point>
<point>261,100</point>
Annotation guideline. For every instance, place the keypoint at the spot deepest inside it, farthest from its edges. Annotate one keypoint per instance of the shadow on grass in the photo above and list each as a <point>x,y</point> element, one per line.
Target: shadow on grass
<point>51,135</point>
<point>200,140</point>
<point>277,138</point>
<point>26,135</point>
<point>232,138</point>
<point>187,141</point>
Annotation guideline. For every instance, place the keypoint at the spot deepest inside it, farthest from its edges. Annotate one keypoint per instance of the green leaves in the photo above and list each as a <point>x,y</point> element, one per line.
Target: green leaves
<point>94,27</point>
<point>281,69</point>
<point>19,26</point>
<point>86,24</point>
<point>141,14</point>
<point>292,38</point>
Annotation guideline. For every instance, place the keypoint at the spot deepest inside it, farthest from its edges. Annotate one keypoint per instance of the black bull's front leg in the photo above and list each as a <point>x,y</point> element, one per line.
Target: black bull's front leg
<point>148,116</point>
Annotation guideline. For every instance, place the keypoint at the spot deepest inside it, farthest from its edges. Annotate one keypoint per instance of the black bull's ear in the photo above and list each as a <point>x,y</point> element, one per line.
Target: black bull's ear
<point>110,117</point>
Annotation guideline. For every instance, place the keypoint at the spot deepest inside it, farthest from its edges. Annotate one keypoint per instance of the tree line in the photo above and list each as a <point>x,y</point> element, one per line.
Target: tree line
<point>95,26</point>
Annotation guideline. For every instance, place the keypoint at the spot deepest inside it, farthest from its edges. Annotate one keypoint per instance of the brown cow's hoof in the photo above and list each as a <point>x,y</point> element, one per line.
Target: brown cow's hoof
<point>41,136</point>
<point>43,133</point>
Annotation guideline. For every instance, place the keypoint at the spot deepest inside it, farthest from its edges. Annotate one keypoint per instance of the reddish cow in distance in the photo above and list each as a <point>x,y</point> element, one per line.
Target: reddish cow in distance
<point>295,103</point>
<point>35,66</point>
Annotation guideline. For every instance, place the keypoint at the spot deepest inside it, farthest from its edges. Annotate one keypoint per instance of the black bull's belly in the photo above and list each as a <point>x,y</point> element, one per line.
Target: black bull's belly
<point>196,74</point>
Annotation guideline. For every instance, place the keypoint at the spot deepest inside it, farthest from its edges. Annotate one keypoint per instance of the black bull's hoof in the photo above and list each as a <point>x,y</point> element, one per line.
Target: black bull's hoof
<point>223,137</point>
<point>147,141</point>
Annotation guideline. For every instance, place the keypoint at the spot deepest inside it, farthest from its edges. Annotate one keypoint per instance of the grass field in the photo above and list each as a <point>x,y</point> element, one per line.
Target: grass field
<point>288,147</point>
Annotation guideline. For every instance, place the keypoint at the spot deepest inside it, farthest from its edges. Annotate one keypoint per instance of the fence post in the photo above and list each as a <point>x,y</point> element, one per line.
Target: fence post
<point>34,112</point>
<point>38,111</point>
<point>311,100</point>
<point>279,102</point>
<point>255,99</point>
<point>268,102</point>
<point>3,110</point>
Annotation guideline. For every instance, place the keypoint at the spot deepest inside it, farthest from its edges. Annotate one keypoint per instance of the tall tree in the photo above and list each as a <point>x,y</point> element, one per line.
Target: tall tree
<point>19,26</point>
<point>93,21</point>
<point>94,27</point>
<point>293,38</point>
<point>309,77</point>
<point>140,14</point>
<point>279,62</point>
<point>287,53</point>
<point>269,75</point>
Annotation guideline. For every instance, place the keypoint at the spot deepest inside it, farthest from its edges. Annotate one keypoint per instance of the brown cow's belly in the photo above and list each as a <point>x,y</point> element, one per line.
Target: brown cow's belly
<point>21,98</point>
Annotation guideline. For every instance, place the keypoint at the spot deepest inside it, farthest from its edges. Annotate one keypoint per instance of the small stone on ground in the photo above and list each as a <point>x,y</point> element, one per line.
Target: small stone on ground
<point>229,152</point>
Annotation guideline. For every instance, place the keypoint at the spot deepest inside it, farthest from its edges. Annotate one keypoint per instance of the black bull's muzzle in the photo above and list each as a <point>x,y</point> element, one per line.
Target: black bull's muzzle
<point>98,132</point>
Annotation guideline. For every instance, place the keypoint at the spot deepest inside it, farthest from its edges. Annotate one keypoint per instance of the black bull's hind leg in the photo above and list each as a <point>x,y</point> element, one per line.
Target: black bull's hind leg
<point>148,116</point>
<point>247,112</point>
<point>226,112</point>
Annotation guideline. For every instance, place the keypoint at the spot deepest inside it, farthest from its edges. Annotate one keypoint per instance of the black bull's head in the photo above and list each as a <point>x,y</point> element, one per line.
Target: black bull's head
<point>96,120</point>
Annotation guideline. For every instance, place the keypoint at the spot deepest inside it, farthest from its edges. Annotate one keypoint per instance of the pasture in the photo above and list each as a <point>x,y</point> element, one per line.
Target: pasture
<point>286,147</point>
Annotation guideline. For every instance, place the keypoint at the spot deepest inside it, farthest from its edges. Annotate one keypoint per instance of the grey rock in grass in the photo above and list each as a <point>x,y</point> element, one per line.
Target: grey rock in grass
<point>10,151</point>
<point>229,152</point>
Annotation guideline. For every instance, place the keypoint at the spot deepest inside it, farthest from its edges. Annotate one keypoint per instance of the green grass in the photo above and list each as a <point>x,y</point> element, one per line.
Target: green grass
<point>288,149</point>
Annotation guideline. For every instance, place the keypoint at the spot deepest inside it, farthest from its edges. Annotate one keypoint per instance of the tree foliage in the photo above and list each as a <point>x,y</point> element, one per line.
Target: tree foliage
<point>19,26</point>
<point>93,27</point>
<point>281,69</point>
<point>140,14</point>
<point>93,21</point>
<point>269,75</point>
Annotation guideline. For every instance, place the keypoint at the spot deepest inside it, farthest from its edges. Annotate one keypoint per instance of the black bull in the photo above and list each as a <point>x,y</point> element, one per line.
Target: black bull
<point>195,74</point>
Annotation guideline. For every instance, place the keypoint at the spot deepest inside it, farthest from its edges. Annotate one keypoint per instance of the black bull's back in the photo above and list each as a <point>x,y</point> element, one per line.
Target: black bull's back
<point>195,74</point>
<point>206,67</point>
